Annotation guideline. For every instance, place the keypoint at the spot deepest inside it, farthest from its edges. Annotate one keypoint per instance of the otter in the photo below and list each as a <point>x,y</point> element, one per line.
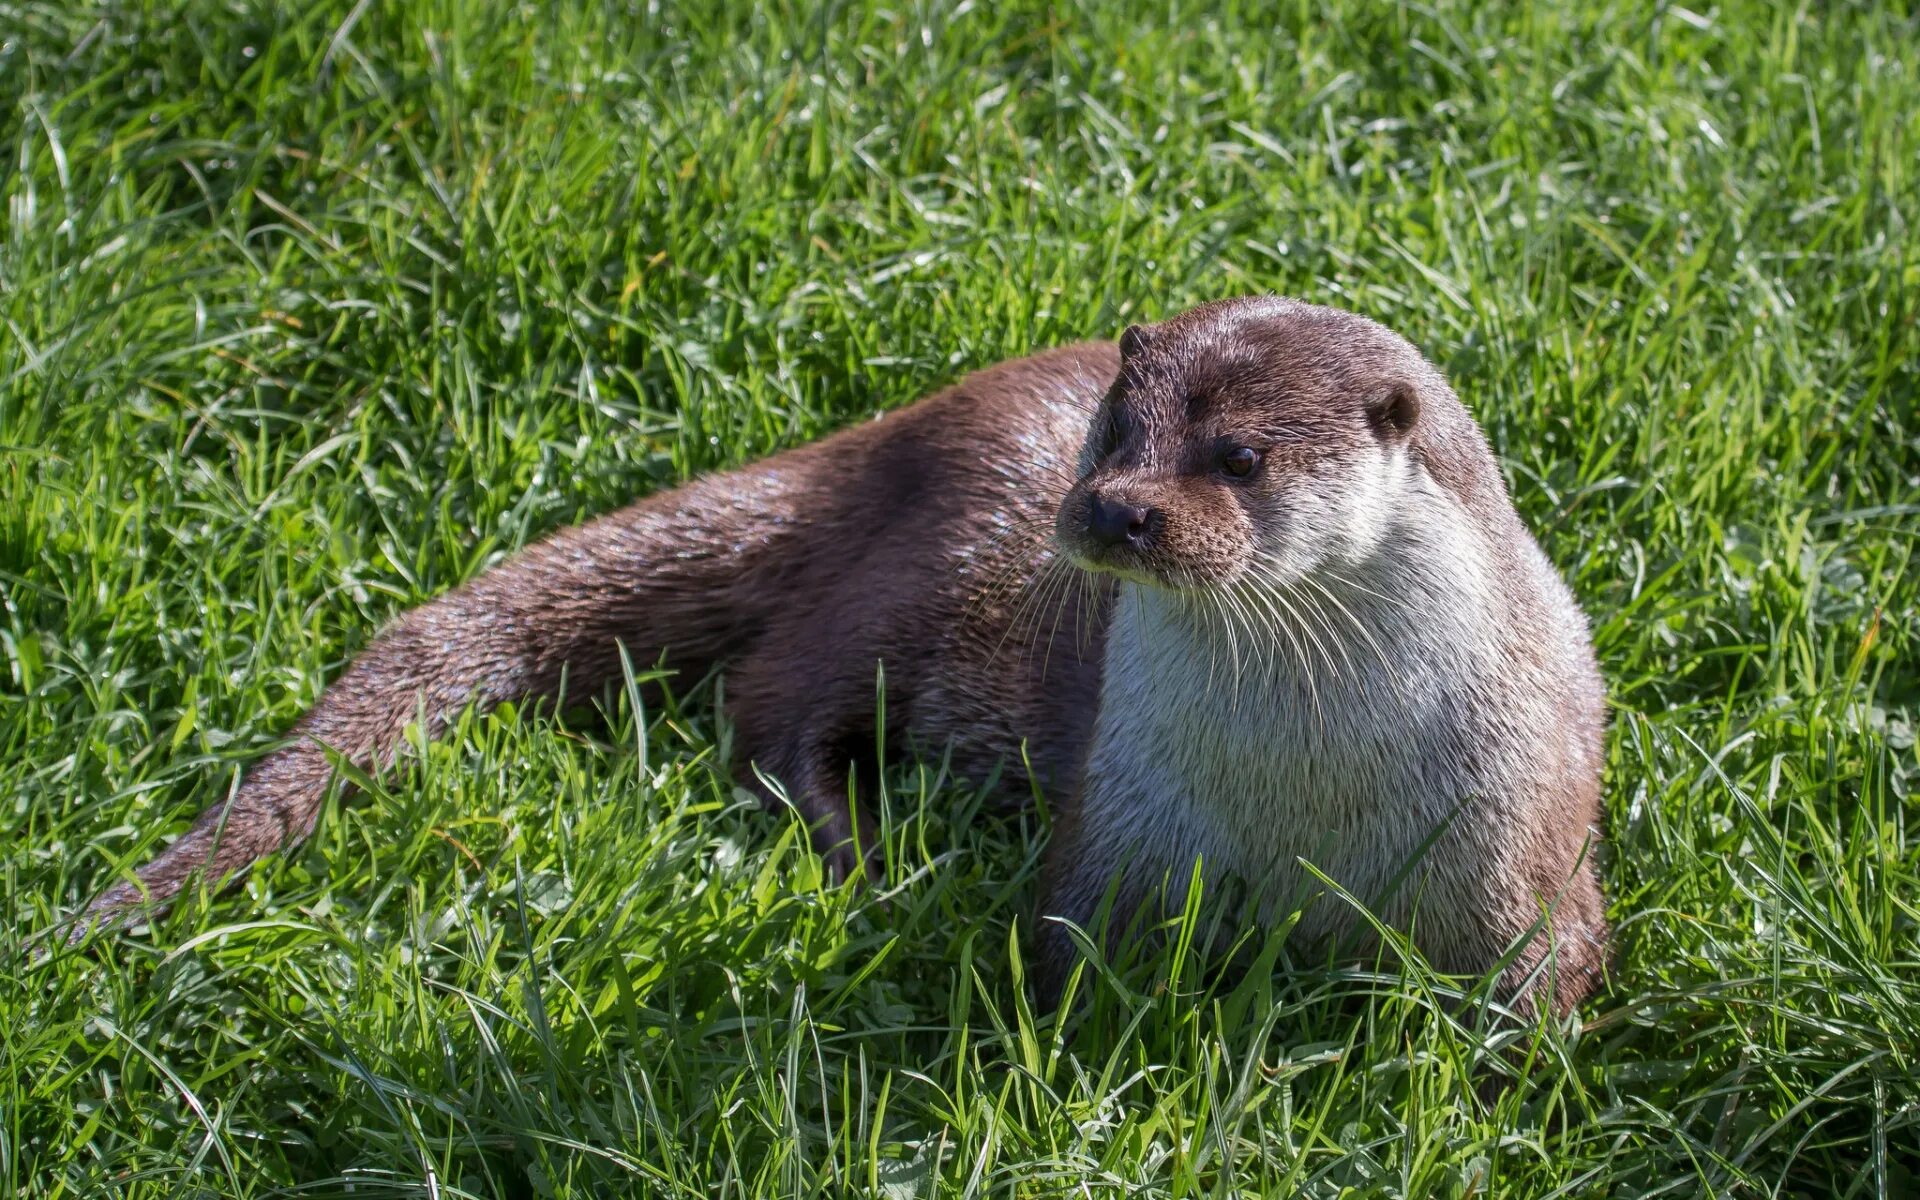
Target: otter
<point>1244,589</point>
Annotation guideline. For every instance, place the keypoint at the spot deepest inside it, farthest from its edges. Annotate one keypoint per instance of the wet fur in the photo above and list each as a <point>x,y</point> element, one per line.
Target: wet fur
<point>1444,681</point>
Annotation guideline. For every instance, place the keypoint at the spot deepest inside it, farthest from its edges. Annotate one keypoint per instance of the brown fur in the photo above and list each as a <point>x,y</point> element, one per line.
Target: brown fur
<point>925,540</point>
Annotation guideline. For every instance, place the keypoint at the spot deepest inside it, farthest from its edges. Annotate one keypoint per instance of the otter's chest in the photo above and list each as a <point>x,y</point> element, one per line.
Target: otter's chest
<point>1255,761</point>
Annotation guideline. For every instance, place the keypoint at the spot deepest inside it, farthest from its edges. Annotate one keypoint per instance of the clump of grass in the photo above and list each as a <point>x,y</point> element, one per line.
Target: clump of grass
<point>311,311</point>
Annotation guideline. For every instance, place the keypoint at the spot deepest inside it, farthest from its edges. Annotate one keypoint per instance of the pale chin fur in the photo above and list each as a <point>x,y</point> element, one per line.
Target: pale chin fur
<point>1121,573</point>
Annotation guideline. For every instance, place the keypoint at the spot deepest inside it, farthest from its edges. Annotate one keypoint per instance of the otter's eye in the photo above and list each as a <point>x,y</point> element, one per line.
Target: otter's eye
<point>1240,461</point>
<point>1119,426</point>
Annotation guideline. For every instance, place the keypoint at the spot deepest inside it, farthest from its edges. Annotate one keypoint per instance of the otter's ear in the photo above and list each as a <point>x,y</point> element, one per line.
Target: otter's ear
<point>1393,409</point>
<point>1134,340</point>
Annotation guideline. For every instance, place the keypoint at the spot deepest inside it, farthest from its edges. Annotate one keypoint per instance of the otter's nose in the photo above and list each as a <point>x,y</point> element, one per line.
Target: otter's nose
<point>1116,523</point>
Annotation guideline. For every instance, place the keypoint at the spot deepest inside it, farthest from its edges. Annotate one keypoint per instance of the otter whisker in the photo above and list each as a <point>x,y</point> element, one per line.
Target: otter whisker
<point>1068,598</point>
<point>1318,613</point>
<point>1355,585</point>
<point>1022,545</point>
<point>1194,607</point>
<point>1058,599</point>
<point>1031,611</point>
<point>1316,579</point>
<point>1030,600</point>
<point>1216,634</point>
<point>1247,618</point>
<point>1386,663</point>
<point>1236,623</point>
<point>1286,628</point>
<point>1273,619</point>
<point>1229,629</point>
<point>1023,540</point>
<point>1280,597</point>
<point>1092,591</point>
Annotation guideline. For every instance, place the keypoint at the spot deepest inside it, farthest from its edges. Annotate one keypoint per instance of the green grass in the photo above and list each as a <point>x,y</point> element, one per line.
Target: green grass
<point>312,310</point>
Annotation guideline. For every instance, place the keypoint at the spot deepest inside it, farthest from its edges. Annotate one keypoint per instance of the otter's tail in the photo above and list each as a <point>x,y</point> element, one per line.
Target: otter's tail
<point>684,573</point>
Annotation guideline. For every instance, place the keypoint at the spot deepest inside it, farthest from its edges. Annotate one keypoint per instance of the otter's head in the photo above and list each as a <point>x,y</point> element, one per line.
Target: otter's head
<point>1248,439</point>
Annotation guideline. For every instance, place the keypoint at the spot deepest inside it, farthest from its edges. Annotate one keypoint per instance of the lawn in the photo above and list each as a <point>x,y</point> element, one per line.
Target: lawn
<point>313,310</point>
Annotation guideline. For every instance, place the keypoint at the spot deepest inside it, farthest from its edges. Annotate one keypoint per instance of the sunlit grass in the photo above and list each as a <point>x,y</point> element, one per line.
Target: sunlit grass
<point>311,311</point>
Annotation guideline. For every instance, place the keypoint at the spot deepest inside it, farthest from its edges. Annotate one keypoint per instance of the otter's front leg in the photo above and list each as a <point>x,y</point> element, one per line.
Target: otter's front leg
<point>817,787</point>
<point>801,749</point>
<point>1081,870</point>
